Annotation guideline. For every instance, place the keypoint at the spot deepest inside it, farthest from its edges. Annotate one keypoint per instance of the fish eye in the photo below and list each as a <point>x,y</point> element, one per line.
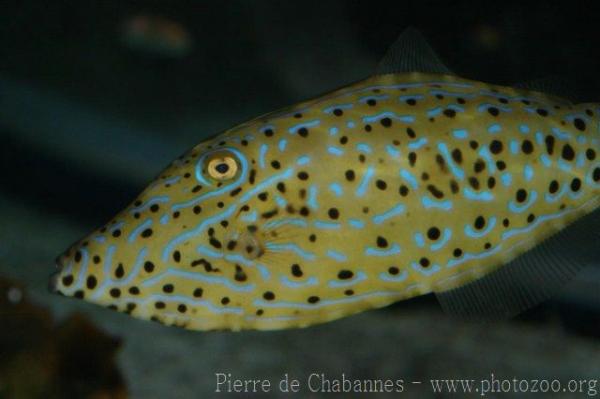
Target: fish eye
<point>222,167</point>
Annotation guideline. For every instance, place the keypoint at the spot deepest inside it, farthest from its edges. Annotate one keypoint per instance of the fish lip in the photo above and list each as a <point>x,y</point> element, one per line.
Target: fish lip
<point>53,280</point>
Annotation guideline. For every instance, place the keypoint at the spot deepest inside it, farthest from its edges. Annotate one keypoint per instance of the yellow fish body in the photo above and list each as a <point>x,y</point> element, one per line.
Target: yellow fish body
<point>399,185</point>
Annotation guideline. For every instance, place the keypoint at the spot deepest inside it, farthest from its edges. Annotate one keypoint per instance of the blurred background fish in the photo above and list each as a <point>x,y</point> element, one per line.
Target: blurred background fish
<point>156,35</point>
<point>87,118</point>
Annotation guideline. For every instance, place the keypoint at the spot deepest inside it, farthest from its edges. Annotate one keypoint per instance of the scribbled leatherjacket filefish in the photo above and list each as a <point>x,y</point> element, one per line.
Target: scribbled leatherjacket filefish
<point>410,182</point>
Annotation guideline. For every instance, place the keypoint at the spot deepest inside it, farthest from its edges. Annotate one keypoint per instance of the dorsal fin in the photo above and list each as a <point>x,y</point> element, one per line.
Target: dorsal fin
<point>410,53</point>
<point>529,279</point>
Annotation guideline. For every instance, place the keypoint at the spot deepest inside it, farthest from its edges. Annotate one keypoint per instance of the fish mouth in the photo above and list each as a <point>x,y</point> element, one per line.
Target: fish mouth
<point>54,277</point>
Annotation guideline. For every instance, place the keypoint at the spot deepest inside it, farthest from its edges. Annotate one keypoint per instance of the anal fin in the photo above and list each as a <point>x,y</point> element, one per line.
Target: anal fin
<point>554,86</point>
<point>529,279</point>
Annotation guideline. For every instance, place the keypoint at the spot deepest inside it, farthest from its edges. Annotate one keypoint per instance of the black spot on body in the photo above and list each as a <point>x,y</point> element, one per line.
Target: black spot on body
<point>579,124</point>
<point>435,191</point>
<point>313,299</point>
<point>270,214</point>
<point>303,132</point>
<point>345,274</point>
<point>479,222</point>
<point>333,213</point>
<point>568,153</point>
<point>457,156</point>
<point>350,176</point>
<point>441,162</point>
<point>412,158</point>
<point>479,166</point>
<point>240,275</point>
<point>527,147</point>
<point>496,147</point>
<point>454,186</point>
<point>91,282</point>
<point>521,195</point>
<point>296,270</point>
<point>474,182</point>
<point>450,113</point>
<point>149,267</point>
<point>269,296</point>
<point>590,154</point>
<point>433,233</point>
<point>550,141</point>
<point>146,233</point>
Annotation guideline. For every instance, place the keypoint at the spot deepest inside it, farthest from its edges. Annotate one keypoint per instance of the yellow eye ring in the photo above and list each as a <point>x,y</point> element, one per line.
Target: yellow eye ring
<point>222,167</point>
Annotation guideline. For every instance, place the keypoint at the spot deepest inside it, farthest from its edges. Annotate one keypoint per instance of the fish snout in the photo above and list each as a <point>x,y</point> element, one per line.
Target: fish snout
<point>54,277</point>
